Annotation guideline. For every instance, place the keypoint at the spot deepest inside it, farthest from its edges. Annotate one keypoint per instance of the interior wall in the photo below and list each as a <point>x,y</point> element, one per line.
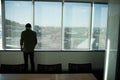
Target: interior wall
<point>113,32</point>
<point>96,58</point>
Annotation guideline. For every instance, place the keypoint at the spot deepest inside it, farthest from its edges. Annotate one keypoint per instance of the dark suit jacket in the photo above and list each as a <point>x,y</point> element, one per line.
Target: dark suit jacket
<point>28,40</point>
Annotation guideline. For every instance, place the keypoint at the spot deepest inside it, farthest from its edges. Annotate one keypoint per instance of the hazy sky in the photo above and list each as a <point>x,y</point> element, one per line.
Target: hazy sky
<point>50,14</point>
<point>0,7</point>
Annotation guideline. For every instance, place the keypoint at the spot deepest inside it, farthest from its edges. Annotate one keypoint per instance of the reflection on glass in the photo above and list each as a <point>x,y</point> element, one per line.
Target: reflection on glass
<point>48,24</point>
<point>17,14</point>
<point>99,26</point>
<point>76,25</point>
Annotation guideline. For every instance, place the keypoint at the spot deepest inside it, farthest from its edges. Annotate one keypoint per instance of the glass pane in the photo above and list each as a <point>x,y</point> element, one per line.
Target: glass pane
<point>0,27</point>
<point>48,25</point>
<point>17,14</point>
<point>76,25</point>
<point>99,26</point>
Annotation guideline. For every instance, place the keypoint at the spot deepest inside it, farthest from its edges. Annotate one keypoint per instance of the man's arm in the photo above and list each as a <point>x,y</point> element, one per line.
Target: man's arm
<point>35,38</point>
<point>21,42</point>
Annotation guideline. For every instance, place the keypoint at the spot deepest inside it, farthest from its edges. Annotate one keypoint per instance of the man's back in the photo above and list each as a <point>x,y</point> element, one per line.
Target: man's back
<point>28,40</point>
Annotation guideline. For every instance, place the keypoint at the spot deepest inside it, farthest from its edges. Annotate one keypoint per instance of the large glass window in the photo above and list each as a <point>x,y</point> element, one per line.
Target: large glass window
<point>68,26</point>
<point>48,24</point>
<point>77,25</point>
<point>99,26</point>
<point>17,14</point>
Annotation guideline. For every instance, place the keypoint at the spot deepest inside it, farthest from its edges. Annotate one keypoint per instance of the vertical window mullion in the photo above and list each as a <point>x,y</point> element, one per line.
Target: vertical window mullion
<point>91,25</point>
<point>33,14</point>
<point>3,24</point>
<point>62,28</point>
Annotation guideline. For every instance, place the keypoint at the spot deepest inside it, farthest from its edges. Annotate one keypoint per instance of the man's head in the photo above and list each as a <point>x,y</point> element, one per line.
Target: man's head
<point>28,26</point>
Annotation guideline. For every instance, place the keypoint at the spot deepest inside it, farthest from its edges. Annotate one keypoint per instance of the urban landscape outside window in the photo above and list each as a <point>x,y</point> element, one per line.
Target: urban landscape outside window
<point>69,26</point>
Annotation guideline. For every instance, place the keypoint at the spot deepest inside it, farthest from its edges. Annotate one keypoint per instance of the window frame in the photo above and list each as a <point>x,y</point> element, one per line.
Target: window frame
<point>62,27</point>
<point>89,27</point>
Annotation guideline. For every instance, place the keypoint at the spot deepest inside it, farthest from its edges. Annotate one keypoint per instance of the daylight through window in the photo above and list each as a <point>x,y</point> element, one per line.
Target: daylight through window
<point>69,26</point>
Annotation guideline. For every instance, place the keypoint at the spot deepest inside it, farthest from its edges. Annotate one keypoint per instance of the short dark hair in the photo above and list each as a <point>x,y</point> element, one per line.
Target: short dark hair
<point>28,25</point>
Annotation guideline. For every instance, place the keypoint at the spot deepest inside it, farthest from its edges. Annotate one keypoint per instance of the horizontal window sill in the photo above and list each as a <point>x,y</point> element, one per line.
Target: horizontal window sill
<point>37,50</point>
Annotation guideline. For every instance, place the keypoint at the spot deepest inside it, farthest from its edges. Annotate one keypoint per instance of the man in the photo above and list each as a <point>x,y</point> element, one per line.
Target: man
<point>28,42</point>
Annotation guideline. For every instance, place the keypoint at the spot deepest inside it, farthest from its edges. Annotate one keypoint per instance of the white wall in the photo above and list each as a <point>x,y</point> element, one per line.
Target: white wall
<point>96,58</point>
<point>113,32</point>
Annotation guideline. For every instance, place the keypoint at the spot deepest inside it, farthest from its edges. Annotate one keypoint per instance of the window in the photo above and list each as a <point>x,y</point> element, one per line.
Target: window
<point>48,25</point>
<point>99,26</point>
<point>69,26</point>
<point>77,25</point>
<point>17,14</point>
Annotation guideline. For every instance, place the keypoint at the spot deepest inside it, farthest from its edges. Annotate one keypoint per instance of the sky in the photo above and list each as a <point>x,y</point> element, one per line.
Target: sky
<point>18,11</point>
<point>0,17</point>
<point>50,14</point>
<point>100,15</point>
<point>0,7</point>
